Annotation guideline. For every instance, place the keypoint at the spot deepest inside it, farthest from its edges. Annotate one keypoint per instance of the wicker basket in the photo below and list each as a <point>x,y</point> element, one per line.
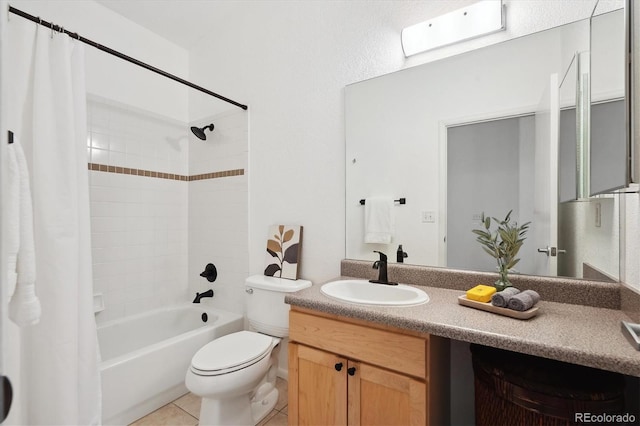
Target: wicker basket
<point>517,389</point>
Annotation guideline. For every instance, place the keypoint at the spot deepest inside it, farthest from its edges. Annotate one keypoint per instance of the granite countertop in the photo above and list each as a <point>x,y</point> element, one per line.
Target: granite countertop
<point>578,334</point>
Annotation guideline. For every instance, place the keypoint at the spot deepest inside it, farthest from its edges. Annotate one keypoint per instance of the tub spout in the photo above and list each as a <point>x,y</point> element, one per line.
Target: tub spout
<point>208,293</point>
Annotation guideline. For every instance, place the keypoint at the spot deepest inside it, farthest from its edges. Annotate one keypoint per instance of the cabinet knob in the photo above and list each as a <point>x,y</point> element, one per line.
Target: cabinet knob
<point>338,366</point>
<point>351,371</point>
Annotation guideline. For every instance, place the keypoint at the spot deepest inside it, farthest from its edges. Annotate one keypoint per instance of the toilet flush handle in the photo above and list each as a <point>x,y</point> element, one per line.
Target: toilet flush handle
<point>249,290</point>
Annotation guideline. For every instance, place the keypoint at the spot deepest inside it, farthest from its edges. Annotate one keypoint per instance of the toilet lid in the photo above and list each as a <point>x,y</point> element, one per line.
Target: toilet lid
<point>231,350</point>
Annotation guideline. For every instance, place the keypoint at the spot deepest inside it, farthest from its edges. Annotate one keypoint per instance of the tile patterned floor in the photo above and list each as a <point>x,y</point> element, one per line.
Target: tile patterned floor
<point>185,410</point>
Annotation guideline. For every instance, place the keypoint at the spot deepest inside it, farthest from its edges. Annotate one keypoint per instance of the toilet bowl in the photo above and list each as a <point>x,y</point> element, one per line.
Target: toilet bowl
<point>236,374</point>
<point>232,373</point>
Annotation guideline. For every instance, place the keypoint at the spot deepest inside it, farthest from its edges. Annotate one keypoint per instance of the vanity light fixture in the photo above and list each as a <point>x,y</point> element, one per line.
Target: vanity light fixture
<point>484,17</point>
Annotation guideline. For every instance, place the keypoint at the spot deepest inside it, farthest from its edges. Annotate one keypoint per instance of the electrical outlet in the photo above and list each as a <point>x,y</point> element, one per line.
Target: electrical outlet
<point>476,217</point>
<point>428,217</point>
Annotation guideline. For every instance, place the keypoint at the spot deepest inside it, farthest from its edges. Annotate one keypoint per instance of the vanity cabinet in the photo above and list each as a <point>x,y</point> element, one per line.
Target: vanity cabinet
<point>345,371</point>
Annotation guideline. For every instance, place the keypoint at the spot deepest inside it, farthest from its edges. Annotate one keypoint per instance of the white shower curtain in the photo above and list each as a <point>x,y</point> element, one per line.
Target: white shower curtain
<point>59,380</point>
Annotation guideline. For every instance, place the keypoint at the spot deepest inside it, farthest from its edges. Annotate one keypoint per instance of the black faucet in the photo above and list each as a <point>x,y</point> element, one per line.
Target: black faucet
<point>210,272</point>
<point>381,266</point>
<point>208,293</point>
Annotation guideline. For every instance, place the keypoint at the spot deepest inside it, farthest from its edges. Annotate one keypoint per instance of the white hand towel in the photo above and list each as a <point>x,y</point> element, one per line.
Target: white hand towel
<point>378,220</point>
<point>24,306</point>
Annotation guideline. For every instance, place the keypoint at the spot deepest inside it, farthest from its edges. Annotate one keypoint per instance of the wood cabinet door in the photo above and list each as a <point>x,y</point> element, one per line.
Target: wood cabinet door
<point>380,397</point>
<point>317,387</point>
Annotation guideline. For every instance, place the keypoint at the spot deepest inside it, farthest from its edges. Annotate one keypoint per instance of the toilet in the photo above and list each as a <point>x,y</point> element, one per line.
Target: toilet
<point>236,374</point>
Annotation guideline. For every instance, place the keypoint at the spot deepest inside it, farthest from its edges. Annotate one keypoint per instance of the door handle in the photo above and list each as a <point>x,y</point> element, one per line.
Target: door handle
<point>338,366</point>
<point>351,371</point>
<point>545,250</point>
<point>551,251</point>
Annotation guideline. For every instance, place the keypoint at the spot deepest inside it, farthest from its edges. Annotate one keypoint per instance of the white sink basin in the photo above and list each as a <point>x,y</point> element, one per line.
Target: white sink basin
<point>363,292</point>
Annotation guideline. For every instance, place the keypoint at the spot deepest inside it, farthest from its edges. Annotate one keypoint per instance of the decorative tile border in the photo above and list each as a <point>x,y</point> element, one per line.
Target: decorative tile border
<point>215,175</point>
<point>162,175</point>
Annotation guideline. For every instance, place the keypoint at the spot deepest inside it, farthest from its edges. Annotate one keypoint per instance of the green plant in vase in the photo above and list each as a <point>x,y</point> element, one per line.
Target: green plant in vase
<point>502,244</point>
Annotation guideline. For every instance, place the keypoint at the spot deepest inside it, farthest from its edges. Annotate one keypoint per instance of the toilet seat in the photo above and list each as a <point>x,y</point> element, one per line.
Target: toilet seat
<point>232,352</point>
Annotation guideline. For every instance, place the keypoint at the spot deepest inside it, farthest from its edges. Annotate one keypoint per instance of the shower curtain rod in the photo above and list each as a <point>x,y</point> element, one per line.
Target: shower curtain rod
<point>120,55</point>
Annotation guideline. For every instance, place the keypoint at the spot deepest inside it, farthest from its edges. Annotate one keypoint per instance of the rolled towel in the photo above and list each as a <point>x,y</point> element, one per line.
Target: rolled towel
<point>523,301</point>
<point>501,298</point>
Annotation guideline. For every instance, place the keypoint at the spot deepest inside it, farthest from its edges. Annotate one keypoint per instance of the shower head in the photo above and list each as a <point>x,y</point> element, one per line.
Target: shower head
<point>199,131</point>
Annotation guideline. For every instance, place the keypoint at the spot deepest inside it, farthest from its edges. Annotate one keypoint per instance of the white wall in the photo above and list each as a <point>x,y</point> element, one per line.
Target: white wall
<point>290,61</point>
<point>108,76</point>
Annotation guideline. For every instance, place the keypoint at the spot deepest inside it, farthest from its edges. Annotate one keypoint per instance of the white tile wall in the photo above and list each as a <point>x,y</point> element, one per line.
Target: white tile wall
<point>139,241</point>
<point>218,212</point>
<point>218,234</point>
<point>139,224</point>
<point>152,237</point>
<point>124,136</point>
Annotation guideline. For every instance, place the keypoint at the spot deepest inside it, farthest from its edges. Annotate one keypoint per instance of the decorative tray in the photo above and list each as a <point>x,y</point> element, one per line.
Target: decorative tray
<point>523,315</point>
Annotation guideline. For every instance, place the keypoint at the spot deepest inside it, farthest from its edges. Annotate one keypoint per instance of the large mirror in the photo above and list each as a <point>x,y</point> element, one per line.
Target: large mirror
<point>466,135</point>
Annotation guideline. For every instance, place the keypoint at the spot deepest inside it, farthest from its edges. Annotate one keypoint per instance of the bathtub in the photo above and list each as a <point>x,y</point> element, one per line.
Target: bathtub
<point>145,357</point>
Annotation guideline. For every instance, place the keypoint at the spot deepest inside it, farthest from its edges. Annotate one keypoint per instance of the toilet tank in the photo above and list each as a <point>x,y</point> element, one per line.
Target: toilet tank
<point>266,311</point>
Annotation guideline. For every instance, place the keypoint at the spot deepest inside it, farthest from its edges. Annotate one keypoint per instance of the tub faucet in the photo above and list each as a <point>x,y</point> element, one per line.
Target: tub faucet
<point>208,293</point>
<point>381,266</point>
